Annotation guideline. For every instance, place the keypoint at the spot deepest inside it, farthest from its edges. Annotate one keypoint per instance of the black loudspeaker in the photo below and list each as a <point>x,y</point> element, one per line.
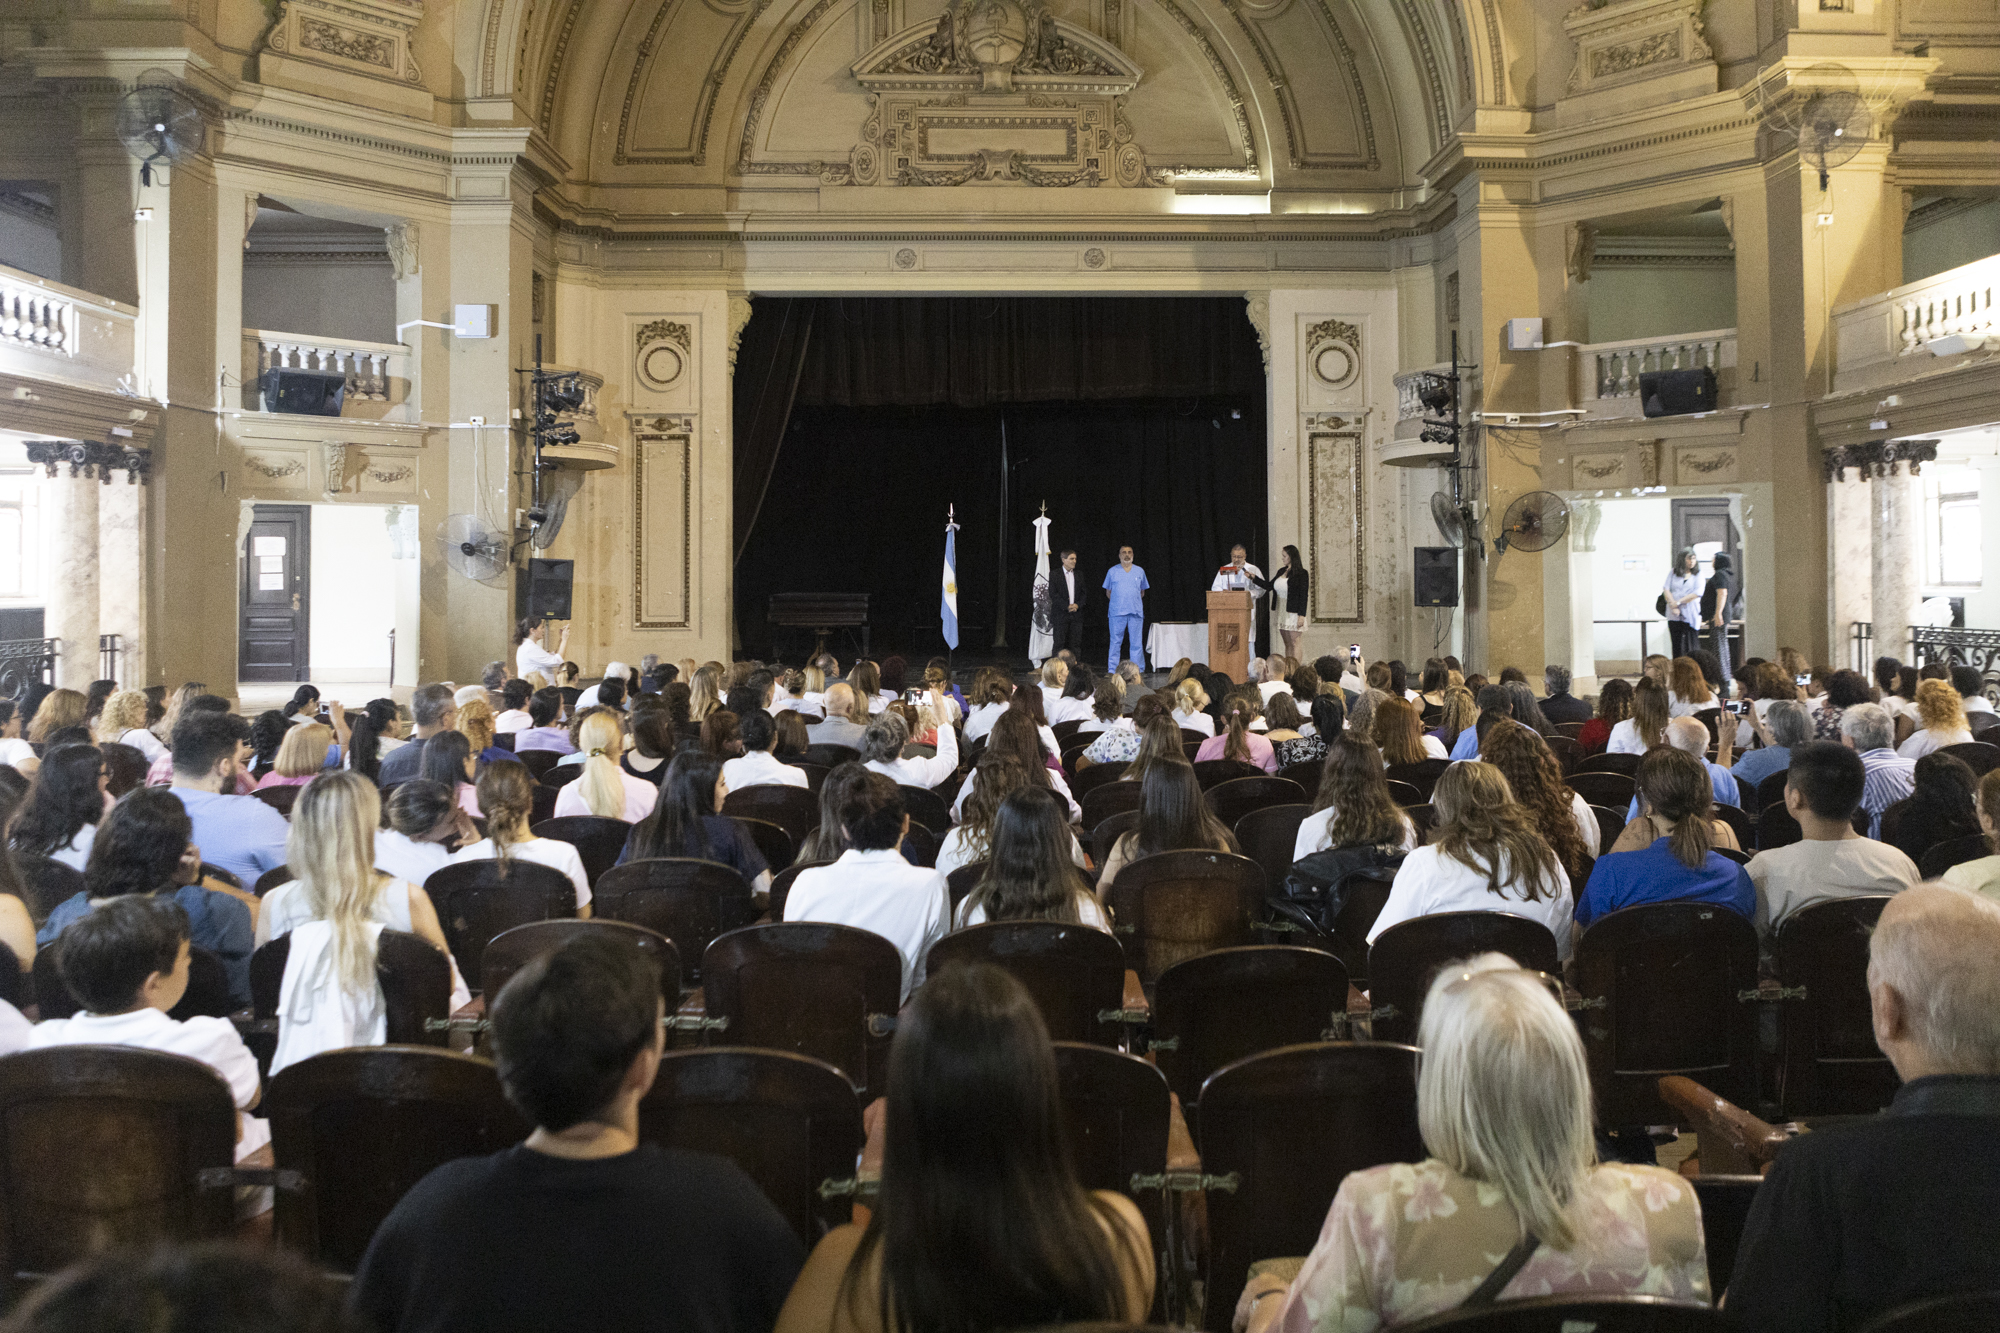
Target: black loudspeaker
<point>1437,576</point>
<point>545,586</point>
<point>1674,393</point>
<point>309,393</point>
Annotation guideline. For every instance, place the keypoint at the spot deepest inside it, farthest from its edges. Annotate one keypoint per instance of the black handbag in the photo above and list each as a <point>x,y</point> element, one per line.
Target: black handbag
<point>1660,604</point>
<point>1315,888</point>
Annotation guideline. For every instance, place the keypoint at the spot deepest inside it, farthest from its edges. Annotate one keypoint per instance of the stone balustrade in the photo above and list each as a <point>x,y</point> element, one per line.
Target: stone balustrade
<point>377,373</point>
<point>1896,334</point>
<point>48,330</point>
<point>1608,373</point>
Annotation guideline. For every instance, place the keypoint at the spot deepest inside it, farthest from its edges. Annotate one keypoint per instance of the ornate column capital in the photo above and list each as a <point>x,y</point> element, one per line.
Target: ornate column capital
<point>1877,458</point>
<point>92,458</point>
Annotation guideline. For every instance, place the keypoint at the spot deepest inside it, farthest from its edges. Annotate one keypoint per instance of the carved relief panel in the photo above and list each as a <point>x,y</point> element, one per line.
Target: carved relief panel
<point>1336,526</point>
<point>666,373</point>
<point>1332,371</point>
<point>663,466</point>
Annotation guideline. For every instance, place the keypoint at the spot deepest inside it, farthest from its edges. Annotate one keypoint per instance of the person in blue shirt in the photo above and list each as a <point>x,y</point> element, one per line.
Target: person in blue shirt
<point>1126,584</point>
<point>1495,705</point>
<point>1689,735</point>
<point>239,833</point>
<point>1787,723</point>
<point>1680,864</point>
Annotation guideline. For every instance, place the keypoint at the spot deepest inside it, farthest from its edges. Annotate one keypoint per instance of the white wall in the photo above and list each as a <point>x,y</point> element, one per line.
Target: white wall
<point>1628,568</point>
<point>360,591</point>
<point>341,299</point>
<point>1649,302</point>
<point>1958,236</point>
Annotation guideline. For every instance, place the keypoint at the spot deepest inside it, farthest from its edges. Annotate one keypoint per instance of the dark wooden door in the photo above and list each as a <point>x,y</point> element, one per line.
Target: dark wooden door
<point>276,594</point>
<point>1707,520</point>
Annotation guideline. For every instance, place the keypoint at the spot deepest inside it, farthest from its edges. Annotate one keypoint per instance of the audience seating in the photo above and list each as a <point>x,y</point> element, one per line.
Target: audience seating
<point>1739,824</point>
<point>1406,957</point>
<point>1610,823</point>
<point>1076,974</point>
<point>48,884</point>
<point>1739,857</point>
<point>1732,1141</point>
<point>561,775</point>
<point>1191,748</point>
<point>1828,1063</point>
<point>1668,988</point>
<point>1598,1314</point>
<point>777,847</point>
<point>830,756</point>
<point>598,841</point>
<point>415,980</point>
<point>1215,772</point>
<point>1567,752</point>
<point>1628,764</point>
<point>1606,789</point>
<point>538,762</point>
<point>1112,798</point>
<point>962,881</point>
<point>792,1123</point>
<point>687,900</point>
<point>104,1146</point>
<point>1425,819</point>
<point>476,900</point>
<point>281,799</point>
<point>1423,775</point>
<point>1982,757</point>
<point>357,1129</point>
<point>1306,773</point>
<point>1230,801</point>
<point>1279,1132</point>
<point>924,806</point>
<point>1725,1207</point>
<point>1403,794</point>
<point>511,950</point>
<point>827,991</point>
<point>16,982</point>
<point>1268,835</point>
<point>1771,790</point>
<point>1569,729</point>
<point>921,846</point>
<point>1366,896</point>
<point>1070,752</point>
<point>272,878</point>
<point>1176,905</point>
<point>1971,1312</point>
<point>1116,1110</point>
<point>1065,732</point>
<point>1104,837</point>
<point>544,804</point>
<point>1214,1010</point>
<point>781,885</point>
<point>815,774</point>
<point>1988,735</point>
<point>1097,775</point>
<point>1956,851</point>
<point>1777,828</point>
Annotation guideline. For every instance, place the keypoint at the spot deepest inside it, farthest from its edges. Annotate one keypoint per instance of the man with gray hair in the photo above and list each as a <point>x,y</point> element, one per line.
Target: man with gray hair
<point>838,727</point>
<point>1856,1220</point>
<point>1868,730</point>
<point>1781,726</point>
<point>1690,734</point>
<point>433,708</point>
<point>1559,705</point>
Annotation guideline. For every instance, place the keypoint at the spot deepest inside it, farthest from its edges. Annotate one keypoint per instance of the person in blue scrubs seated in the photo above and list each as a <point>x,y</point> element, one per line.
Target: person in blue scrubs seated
<point>1126,584</point>
<point>1680,864</point>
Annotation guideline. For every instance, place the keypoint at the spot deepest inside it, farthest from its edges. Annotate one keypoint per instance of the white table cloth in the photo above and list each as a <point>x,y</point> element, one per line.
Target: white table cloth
<point>1168,641</point>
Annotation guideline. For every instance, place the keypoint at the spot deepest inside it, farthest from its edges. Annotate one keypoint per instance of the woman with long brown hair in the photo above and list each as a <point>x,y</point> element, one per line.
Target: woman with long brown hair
<point>1015,738</point>
<point>1680,863</point>
<point>1159,743</point>
<point>1034,869</point>
<point>1535,778</point>
<point>1484,856</point>
<point>1647,727</point>
<point>1352,807</point>
<point>1398,733</point>
<point>1235,740</point>
<point>1173,817</point>
<point>1687,689</point>
<point>1614,705</point>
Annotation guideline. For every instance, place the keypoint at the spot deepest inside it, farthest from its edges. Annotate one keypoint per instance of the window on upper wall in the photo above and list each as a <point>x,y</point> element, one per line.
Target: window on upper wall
<point>1951,526</point>
<point>20,537</point>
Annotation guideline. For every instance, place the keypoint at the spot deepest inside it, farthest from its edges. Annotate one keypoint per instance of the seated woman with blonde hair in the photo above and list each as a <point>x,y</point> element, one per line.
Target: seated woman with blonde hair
<point>1940,720</point>
<point>1503,1103</point>
<point>301,756</point>
<point>605,789</point>
<point>1191,707</point>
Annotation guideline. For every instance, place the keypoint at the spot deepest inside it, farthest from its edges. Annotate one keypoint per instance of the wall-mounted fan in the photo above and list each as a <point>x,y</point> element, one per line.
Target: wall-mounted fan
<point>1534,522</point>
<point>1833,127</point>
<point>159,122</point>
<point>1450,520</point>
<point>473,549</point>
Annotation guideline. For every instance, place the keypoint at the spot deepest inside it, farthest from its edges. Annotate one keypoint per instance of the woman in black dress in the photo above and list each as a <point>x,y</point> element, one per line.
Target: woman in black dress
<point>1291,589</point>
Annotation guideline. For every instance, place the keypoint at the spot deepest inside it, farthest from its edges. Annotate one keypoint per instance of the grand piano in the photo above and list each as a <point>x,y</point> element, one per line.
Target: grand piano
<point>822,613</point>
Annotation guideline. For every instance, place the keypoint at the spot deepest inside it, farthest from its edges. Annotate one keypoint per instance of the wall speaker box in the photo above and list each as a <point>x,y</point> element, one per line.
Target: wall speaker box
<point>308,393</point>
<point>1674,393</point>
<point>1437,576</point>
<point>545,588</point>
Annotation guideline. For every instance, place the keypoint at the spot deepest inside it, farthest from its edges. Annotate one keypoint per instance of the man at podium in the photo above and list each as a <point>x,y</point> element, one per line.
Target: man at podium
<point>1239,575</point>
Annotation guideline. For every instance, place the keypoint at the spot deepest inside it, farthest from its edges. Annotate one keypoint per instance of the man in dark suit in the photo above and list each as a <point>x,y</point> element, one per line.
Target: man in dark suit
<point>1858,1219</point>
<point>1067,597</point>
<point>1561,705</point>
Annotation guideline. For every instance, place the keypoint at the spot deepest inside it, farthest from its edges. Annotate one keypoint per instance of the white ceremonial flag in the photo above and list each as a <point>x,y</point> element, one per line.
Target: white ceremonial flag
<point>1041,637</point>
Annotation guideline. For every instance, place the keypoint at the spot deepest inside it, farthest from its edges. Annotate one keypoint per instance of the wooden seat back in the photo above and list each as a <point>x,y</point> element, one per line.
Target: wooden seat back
<point>1423,775</point>
<point>511,950</point>
<point>1668,988</point>
<point>925,807</point>
<point>416,989</point>
<point>1366,896</point>
<point>1599,1314</point>
<point>1268,835</point>
<point>598,841</point>
<point>1112,798</point>
<point>1105,835</point>
<point>1607,789</point>
<point>1175,905</point>
<point>782,881</point>
<point>1116,1110</point>
<point>1231,800</point>
<point>48,884</point>
<point>1980,756</point>
<point>1954,851</point>
<point>1214,1010</point>
<point>830,755</point>
<point>1628,764</point>
<point>1215,772</point>
<point>827,991</point>
<point>687,900</point>
<point>793,809</point>
<point>538,762</point>
<point>1406,957</point>
<point>362,1126</point>
<point>1097,775</point>
<point>476,900</point>
<point>281,799</point>
<point>777,847</point>
<point>1073,973</point>
<point>1828,1062</point>
<point>790,1122</point>
<point>1281,1130</point>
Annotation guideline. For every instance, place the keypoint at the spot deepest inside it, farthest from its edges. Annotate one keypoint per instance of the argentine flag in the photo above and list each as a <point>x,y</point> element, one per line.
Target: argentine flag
<point>948,605</point>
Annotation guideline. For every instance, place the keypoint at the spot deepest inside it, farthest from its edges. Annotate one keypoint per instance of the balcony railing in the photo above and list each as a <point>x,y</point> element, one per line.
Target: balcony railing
<point>51,331</point>
<point>1890,336</point>
<point>1608,373</point>
<point>378,374</point>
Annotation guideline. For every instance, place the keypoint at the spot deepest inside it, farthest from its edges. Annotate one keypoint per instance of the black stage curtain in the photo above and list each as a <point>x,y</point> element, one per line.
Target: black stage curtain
<point>858,421</point>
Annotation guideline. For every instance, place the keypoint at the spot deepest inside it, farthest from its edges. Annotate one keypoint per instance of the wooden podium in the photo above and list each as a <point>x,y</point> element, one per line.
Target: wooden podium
<point>1229,634</point>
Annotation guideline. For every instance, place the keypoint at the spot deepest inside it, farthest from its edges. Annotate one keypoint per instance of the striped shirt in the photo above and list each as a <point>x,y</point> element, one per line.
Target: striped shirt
<point>1889,778</point>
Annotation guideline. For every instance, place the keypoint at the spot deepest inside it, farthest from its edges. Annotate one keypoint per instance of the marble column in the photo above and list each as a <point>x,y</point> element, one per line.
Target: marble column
<point>1897,535</point>
<point>1850,562</point>
<point>72,574</point>
<point>121,593</point>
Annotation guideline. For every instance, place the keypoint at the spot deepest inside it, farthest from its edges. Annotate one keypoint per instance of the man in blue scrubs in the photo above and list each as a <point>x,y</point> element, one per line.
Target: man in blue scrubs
<point>1126,585</point>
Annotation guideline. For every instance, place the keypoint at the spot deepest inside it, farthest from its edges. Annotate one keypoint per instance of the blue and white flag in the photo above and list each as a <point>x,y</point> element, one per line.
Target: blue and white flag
<point>948,605</point>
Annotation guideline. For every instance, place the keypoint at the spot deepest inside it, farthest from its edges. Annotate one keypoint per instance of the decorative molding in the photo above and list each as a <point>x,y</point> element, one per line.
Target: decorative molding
<point>1333,352</point>
<point>361,36</point>
<point>89,459</point>
<point>401,240</point>
<point>906,258</point>
<point>1336,526</point>
<point>290,258</point>
<point>1632,40</point>
<point>696,154</point>
<point>1093,257</point>
<point>1439,105</point>
<point>1327,421</point>
<point>661,330</point>
<point>291,468</point>
<point>1707,464</point>
<point>333,463</point>
<point>994,46</point>
<point>655,459</point>
<point>390,476</point>
<point>1877,458</point>
<point>1258,311</point>
<point>1289,114</point>
<point>558,55</point>
<point>1599,467</point>
<point>1580,245</point>
<point>739,316</point>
